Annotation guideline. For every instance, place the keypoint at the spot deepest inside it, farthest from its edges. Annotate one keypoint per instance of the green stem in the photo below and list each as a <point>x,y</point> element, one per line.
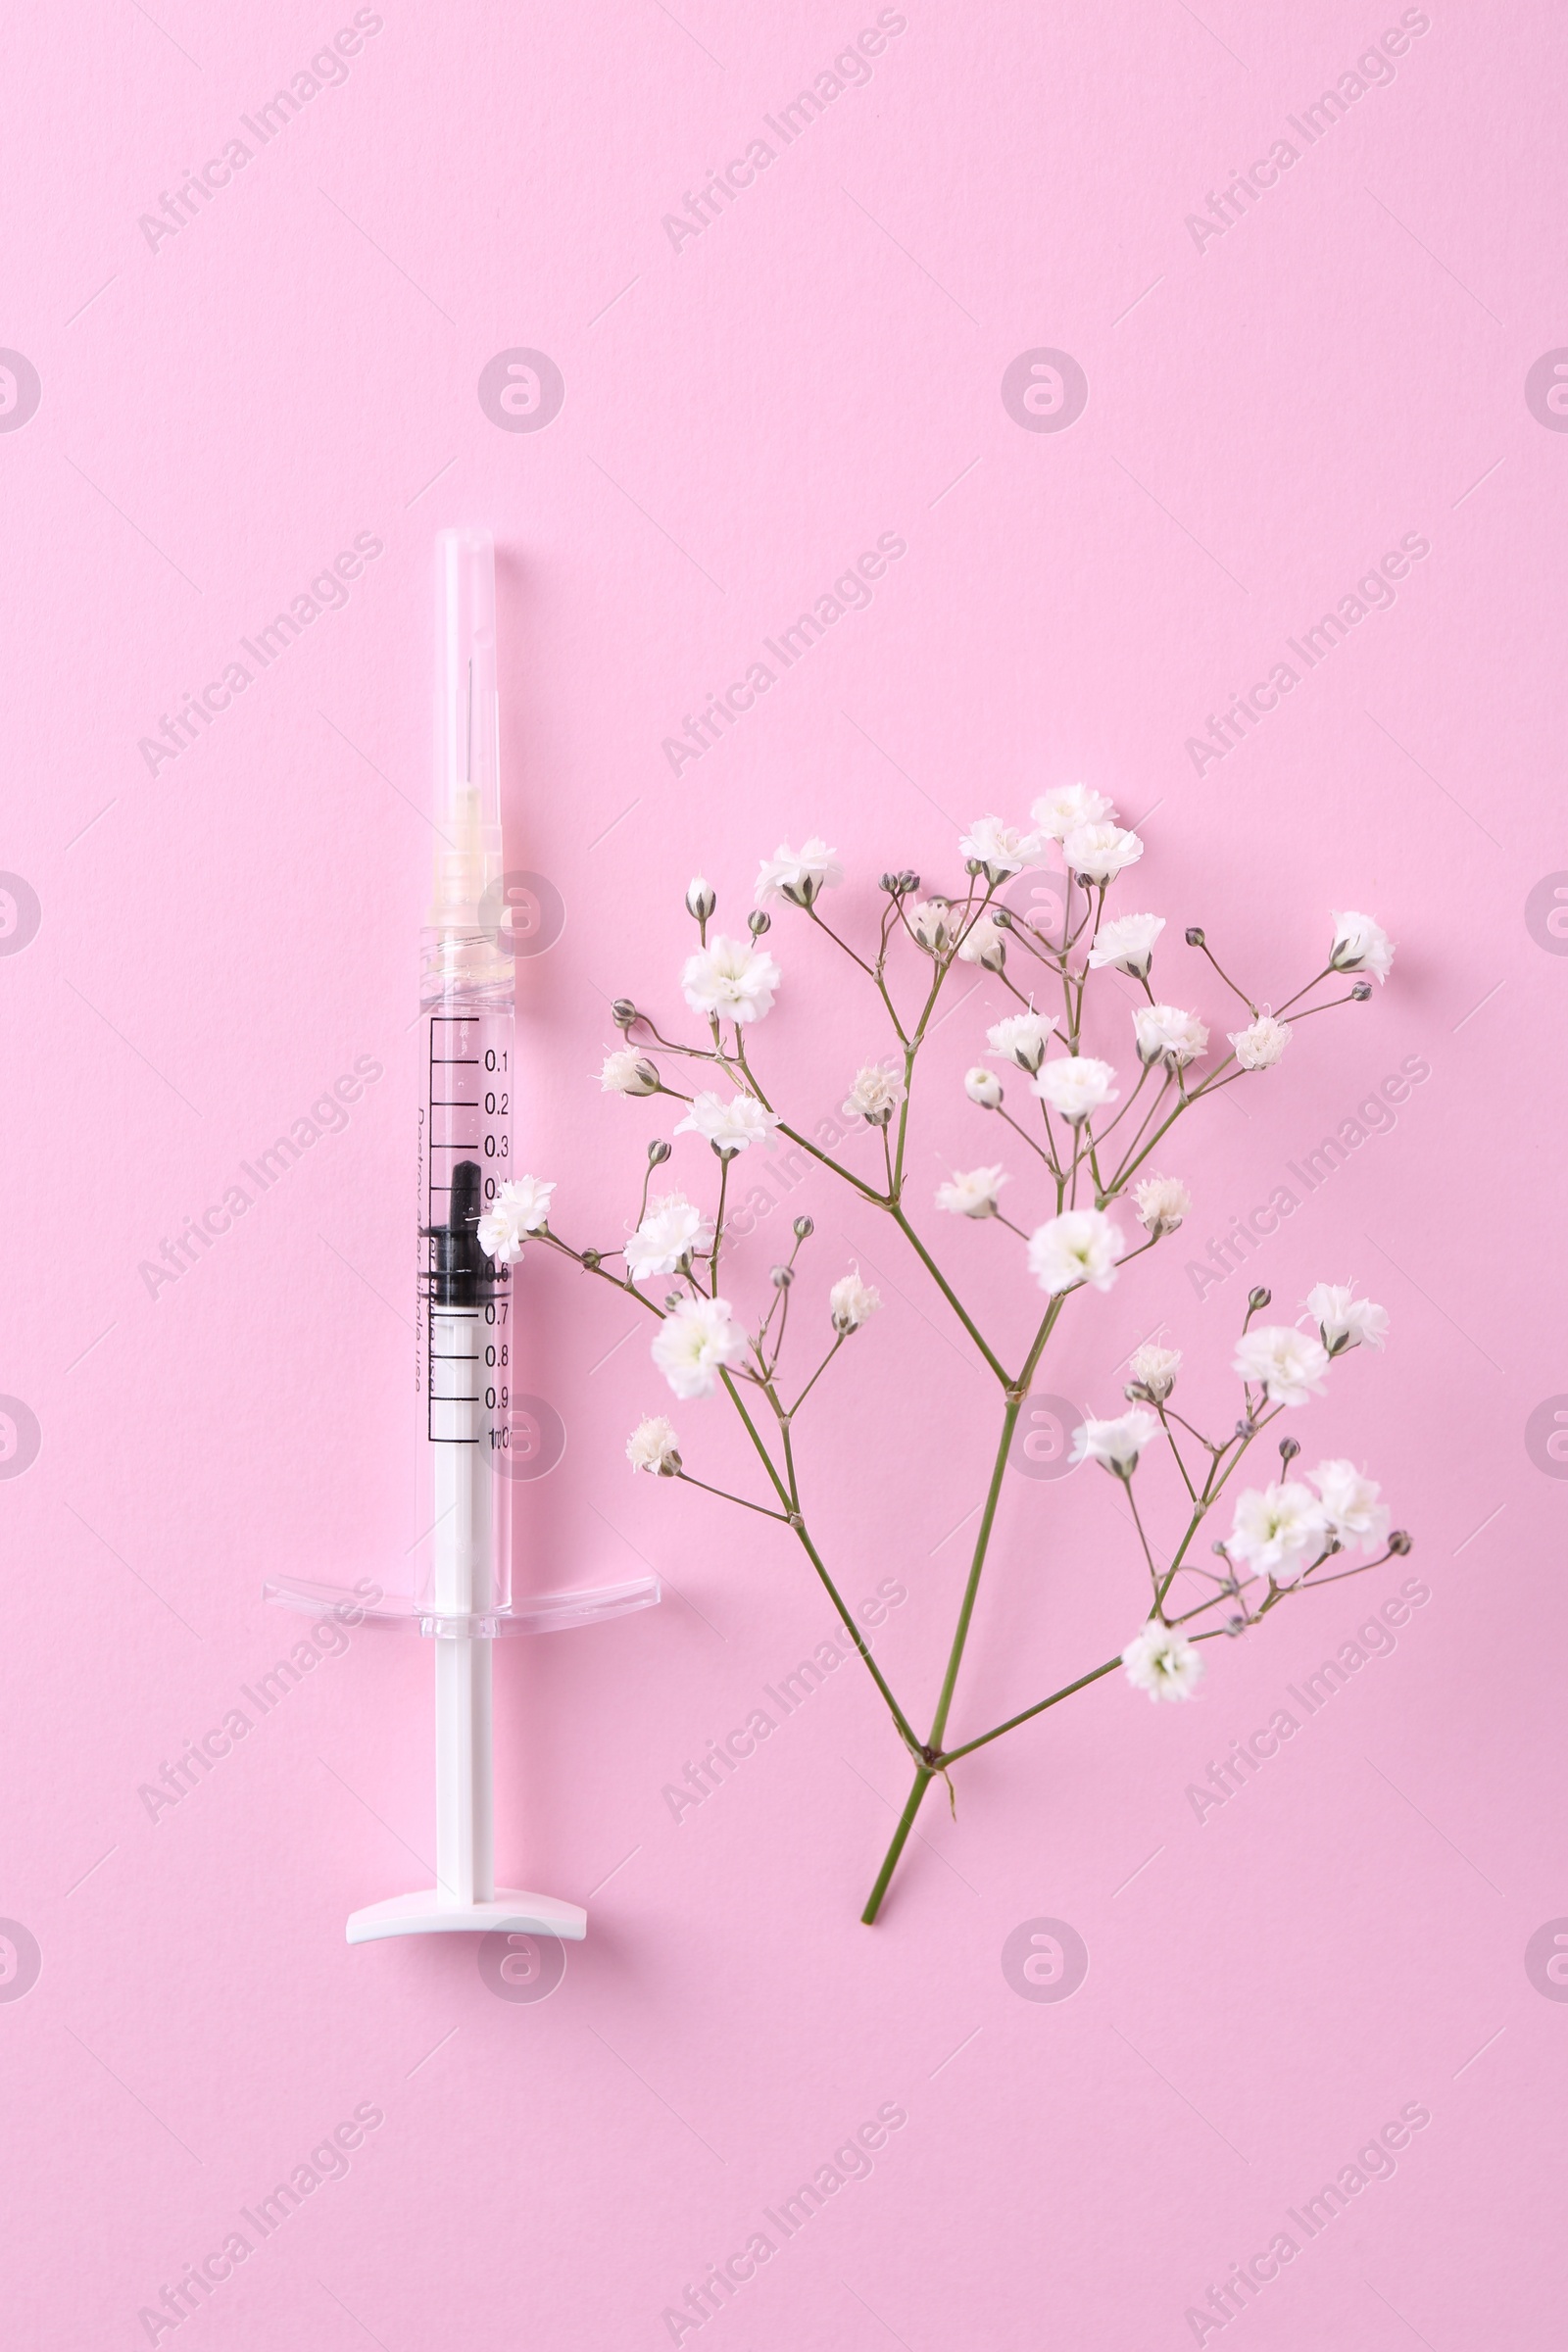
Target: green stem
<point>1011,1724</point>
<point>905,1727</point>
<point>923,1778</point>
<point>719,1224</point>
<point>1301,991</point>
<point>859,1182</point>
<point>1039,1150</point>
<point>1154,1572</point>
<point>931,1754</point>
<point>1130,1165</point>
<point>724,1495</point>
<point>982,1541</point>
<point>618,1282</point>
<point>1239,993</point>
<point>817,1374</point>
<point>752,1431</point>
<point>866,967</point>
<point>1213,1488</point>
<point>787,1496</point>
<point>948,1293</point>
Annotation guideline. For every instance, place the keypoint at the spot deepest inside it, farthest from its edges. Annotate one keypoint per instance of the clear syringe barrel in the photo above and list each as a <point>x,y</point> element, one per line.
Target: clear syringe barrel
<point>465,1348</point>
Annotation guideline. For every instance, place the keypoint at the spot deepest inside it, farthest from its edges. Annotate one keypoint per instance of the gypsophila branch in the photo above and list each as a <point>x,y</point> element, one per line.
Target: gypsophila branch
<point>1285,1534</point>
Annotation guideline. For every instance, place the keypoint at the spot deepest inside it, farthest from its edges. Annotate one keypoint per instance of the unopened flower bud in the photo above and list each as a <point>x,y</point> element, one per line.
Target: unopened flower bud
<point>783,1276</point>
<point>909,879</point>
<point>658,1152</point>
<point>889,883</point>
<point>623,1012</point>
<point>1257,1299</point>
<point>803,1229</point>
<point>1246,1429</point>
<point>984,1087</point>
<point>1400,1543</point>
<point>1289,1448</point>
<point>591,1260</point>
<point>1360,992</point>
<point>1217,1548</point>
<point>672,1300</point>
<point>701,899</point>
<point>759,921</point>
<point>1001,917</point>
<point>974,865</point>
<point>1195,937</point>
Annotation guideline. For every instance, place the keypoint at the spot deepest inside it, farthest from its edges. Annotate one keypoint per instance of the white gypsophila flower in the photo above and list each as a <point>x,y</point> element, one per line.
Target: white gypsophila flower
<point>1098,852</point>
<point>1022,1038</point>
<point>1279,1530</point>
<point>1360,946</point>
<point>851,1301</point>
<point>700,898</point>
<point>1166,1034</point>
<point>499,1238</point>
<point>1260,1046</point>
<point>984,942</point>
<point>519,1207</point>
<point>652,1445</point>
<point>972,1194</point>
<point>1075,1084</point>
<point>671,1231</point>
<point>1162,1202</point>
<point>1082,1244</point>
<point>931,921</point>
<point>799,876</point>
<point>1153,1369</point>
<point>984,1087</point>
<point>628,1072</point>
<point>1001,850</point>
<point>733,978</point>
<point>1128,944</point>
<point>1163,1662</point>
<point>1118,1442</point>
<point>526,1200</point>
<point>1285,1363</point>
<point>1344,1320</point>
<point>1351,1505</point>
<point>728,1126</point>
<point>693,1343</point>
<point>1067,808</point>
<point>874,1095</point>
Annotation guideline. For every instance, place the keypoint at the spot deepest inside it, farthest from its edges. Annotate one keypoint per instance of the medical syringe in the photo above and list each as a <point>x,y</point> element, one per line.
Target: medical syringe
<point>471,1416</point>
<point>463,1559</point>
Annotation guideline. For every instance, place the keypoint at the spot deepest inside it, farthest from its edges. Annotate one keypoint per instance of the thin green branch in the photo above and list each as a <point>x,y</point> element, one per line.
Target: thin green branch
<point>792,1512</point>
<point>686,1478</point>
<point>948,1291</point>
<point>951,1756</point>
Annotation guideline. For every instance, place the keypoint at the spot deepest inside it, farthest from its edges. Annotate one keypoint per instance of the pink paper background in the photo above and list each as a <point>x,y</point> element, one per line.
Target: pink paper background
<point>218,940</point>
